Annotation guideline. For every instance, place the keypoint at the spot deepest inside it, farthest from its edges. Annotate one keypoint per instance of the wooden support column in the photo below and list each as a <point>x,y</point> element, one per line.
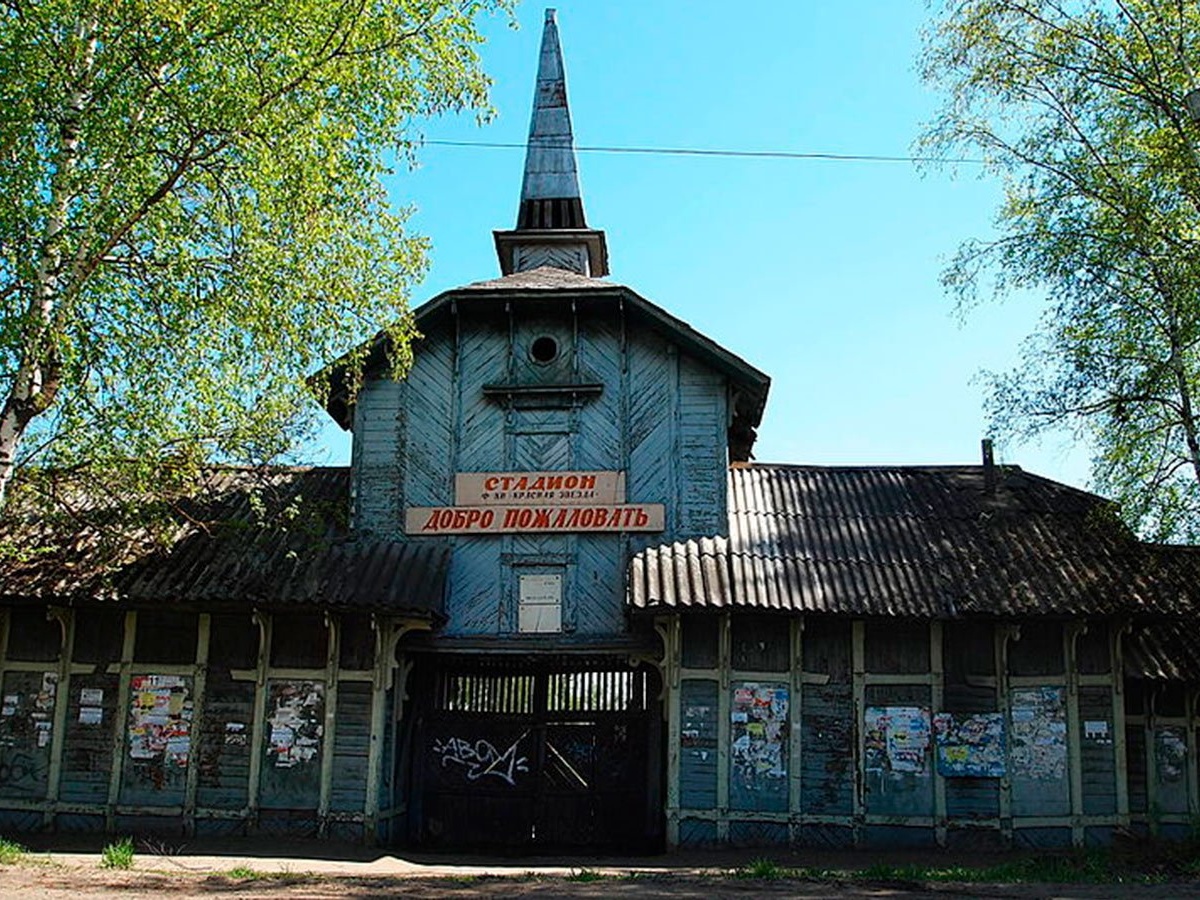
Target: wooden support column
<point>1004,634</point>
<point>858,631</point>
<point>121,720</point>
<point>1153,807</point>
<point>1074,729</point>
<point>265,624</point>
<point>795,744</point>
<point>329,732</point>
<point>937,692</point>
<point>62,701</point>
<point>724,663</point>
<point>1193,785</point>
<point>670,631</point>
<point>1120,752</point>
<point>199,687</point>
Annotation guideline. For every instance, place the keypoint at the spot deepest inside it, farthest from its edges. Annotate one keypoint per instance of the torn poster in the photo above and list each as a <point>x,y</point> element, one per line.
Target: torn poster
<point>297,722</point>
<point>1170,752</point>
<point>1039,733</point>
<point>160,720</point>
<point>896,739</point>
<point>91,715</point>
<point>970,746</point>
<point>1096,730</point>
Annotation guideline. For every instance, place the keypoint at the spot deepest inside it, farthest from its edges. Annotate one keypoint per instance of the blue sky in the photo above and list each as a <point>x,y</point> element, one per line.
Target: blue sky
<point>822,274</point>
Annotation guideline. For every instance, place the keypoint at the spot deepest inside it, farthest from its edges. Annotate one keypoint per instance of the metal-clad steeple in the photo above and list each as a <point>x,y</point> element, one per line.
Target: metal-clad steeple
<point>551,229</point>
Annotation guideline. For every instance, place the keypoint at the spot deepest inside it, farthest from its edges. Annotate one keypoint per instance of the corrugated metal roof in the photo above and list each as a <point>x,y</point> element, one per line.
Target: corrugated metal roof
<point>916,541</point>
<point>269,537</point>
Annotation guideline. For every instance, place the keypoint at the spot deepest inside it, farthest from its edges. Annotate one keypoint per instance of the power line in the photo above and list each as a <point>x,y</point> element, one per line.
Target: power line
<point>742,154</point>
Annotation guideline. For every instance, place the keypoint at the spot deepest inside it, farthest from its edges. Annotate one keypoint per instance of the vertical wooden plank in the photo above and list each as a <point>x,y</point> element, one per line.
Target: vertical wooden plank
<point>670,630</point>
<point>265,624</point>
<point>795,744</point>
<point>121,719</point>
<point>859,687</point>
<point>1120,751</point>
<point>1074,728</point>
<point>199,684</point>
<point>724,653</point>
<point>375,760</point>
<point>333,627</point>
<point>1001,636</point>
<point>1190,712</point>
<point>937,690</point>
<point>62,695</point>
<point>1153,804</point>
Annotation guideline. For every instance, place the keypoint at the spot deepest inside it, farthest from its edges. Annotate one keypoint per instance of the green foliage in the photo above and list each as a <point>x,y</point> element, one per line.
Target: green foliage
<point>1080,108</point>
<point>118,855</point>
<point>763,868</point>
<point>11,852</point>
<point>585,875</point>
<point>194,218</point>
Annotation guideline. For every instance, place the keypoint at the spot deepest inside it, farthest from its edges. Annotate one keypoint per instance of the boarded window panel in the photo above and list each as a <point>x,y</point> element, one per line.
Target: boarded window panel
<point>224,751</point>
<point>99,636</point>
<point>299,642</point>
<point>1135,767</point>
<point>233,643</point>
<point>166,637</point>
<point>352,741</point>
<point>760,644</point>
<point>1098,761</point>
<point>897,648</point>
<point>158,741</point>
<point>758,755</point>
<point>968,649</point>
<point>1039,650</point>
<point>698,744</point>
<point>291,773</point>
<point>25,733</point>
<point>91,722</point>
<point>1092,651</point>
<point>357,644</point>
<point>827,648</point>
<point>32,637</point>
<point>827,744</point>
<point>700,642</point>
<point>898,750</point>
<point>1170,768</point>
<point>1037,736</point>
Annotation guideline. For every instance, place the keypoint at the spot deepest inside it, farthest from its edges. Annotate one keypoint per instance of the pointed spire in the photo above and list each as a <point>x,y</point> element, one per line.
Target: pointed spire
<point>550,196</point>
<point>551,228</point>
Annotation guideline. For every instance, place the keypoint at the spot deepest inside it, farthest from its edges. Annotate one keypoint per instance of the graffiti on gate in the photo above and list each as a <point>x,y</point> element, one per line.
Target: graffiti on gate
<point>481,758</point>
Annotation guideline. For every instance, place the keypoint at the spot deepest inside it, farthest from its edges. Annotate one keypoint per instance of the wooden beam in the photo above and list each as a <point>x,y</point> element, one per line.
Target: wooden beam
<point>199,686</point>
<point>62,701</point>
<point>120,720</point>
<point>1001,636</point>
<point>724,661</point>
<point>1074,728</point>
<point>329,732</point>
<point>858,631</point>
<point>937,696</point>
<point>670,630</point>
<point>795,744</point>
<point>1120,751</point>
<point>265,624</point>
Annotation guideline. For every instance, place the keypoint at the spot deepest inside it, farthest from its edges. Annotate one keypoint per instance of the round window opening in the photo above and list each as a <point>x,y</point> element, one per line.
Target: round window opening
<point>544,350</point>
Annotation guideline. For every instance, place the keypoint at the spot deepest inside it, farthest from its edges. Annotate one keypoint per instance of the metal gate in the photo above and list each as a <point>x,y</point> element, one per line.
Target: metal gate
<point>531,757</point>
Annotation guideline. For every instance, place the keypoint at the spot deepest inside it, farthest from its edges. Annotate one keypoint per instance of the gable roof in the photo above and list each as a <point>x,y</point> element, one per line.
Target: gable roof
<point>550,283</point>
<point>271,537</point>
<point>928,542</point>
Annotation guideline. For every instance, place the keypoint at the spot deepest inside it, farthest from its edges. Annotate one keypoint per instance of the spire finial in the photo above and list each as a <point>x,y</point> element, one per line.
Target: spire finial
<point>551,229</point>
<point>550,196</point>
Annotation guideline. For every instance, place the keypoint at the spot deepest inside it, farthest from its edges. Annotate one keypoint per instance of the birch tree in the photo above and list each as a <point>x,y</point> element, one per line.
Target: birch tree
<point>1082,108</point>
<point>192,217</point>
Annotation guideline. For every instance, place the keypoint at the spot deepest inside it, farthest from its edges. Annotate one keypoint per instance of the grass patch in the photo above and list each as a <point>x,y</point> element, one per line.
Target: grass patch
<point>118,855</point>
<point>764,869</point>
<point>585,875</point>
<point>11,852</point>
<point>245,873</point>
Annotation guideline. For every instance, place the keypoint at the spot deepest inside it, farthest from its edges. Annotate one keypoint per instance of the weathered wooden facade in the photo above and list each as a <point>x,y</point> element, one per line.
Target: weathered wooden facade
<point>552,605</point>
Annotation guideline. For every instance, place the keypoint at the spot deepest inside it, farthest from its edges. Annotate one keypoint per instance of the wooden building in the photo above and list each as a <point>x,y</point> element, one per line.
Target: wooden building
<point>552,605</point>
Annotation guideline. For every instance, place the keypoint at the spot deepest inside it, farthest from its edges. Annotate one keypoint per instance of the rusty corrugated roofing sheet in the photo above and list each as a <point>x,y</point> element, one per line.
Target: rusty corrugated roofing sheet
<point>917,541</point>
<point>269,537</point>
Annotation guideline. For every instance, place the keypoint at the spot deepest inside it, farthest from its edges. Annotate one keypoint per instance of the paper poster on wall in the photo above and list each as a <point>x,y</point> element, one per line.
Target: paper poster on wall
<point>297,722</point>
<point>160,720</point>
<point>970,746</point>
<point>91,697</point>
<point>1039,734</point>
<point>896,739</point>
<point>91,715</point>
<point>1096,730</point>
<point>758,731</point>
<point>1170,753</point>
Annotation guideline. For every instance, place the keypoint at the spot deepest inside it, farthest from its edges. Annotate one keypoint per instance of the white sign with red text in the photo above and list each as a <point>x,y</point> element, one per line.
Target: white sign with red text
<point>539,488</point>
<point>431,520</point>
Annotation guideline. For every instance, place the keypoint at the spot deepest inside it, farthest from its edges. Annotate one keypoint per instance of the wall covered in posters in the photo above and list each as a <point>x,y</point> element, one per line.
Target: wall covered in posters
<point>1039,734</point>
<point>297,723</point>
<point>970,746</point>
<point>759,756</point>
<point>26,727</point>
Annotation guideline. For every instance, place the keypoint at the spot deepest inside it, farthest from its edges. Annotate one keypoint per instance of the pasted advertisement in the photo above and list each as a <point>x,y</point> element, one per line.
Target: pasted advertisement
<point>296,724</point>
<point>896,739</point>
<point>970,746</point>
<point>160,721</point>
<point>1170,753</point>
<point>1039,733</point>
<point>759,717</point>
